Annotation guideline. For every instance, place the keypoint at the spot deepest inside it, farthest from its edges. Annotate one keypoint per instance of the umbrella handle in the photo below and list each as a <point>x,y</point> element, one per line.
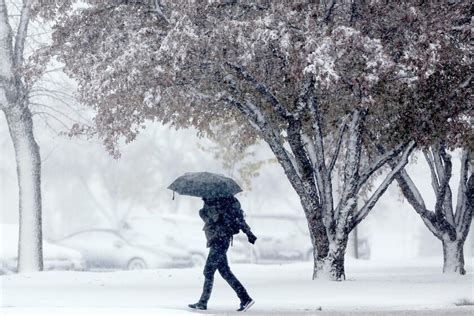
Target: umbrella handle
<point>173,196</point>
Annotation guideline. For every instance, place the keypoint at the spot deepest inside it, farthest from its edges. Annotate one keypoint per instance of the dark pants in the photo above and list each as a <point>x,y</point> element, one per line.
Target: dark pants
<point>217,260</point>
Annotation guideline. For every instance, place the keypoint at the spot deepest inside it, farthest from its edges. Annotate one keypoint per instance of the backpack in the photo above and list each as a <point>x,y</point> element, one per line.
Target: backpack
<point>232,215</point>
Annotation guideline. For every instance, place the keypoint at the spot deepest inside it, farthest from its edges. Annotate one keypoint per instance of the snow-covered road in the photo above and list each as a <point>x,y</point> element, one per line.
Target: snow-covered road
<point>371,289</point>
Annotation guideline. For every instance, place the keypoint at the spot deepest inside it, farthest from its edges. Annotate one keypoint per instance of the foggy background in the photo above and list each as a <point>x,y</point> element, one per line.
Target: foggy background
<point>84,187</point>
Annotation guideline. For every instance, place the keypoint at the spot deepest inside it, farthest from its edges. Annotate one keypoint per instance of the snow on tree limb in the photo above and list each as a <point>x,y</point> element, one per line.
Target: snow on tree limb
<point>337,146</point>
<point>434,177</point>
<point>462,189</point>
<point>402,162</point>
<point>6,60</point>
<point>262,88</point>
<point>329,10</point>
<point>378,163</point>
<point>22,32</point>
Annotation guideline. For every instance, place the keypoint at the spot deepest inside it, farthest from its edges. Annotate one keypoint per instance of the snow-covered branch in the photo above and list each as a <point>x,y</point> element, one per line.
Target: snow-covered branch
<point>261,88</point>
<point>22,33</point>
<point>311,150</point>
<point>302,100</point>
<point>6,61</point>
<point>318,133</point>
<point>413,196</point>
<point>460,203</point>
<point>348,199</point>
<point>159,10</point>
<point>439,163</point>
<point>252,117</point>
<point>329,10</point>
<point>364,211</point>
<point>434,176</point>
<point>298,148</point>
<point>340,136</point>
<point>444,203</point>
<point>466,219</point>
<point>378,163</point>
<point>257,119</point>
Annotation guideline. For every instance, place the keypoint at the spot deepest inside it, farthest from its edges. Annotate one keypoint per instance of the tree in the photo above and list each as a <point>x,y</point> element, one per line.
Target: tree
<point>434,41</point>
<point>14,103</point>
<point>26,91</point>
<point>268,70</point>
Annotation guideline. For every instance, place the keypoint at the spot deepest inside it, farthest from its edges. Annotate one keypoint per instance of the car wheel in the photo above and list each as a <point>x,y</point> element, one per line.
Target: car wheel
<point>198,259</point>
<point>136,264</point>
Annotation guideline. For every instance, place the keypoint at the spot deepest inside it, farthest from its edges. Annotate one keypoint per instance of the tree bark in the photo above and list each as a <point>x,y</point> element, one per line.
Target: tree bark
<point>333,264</point>
<point>453,254</point>
<point>20,124</point>
<point>317,232</point>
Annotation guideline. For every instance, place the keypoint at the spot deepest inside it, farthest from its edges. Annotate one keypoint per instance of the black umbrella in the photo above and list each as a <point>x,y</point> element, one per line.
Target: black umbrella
<point>205,184</point>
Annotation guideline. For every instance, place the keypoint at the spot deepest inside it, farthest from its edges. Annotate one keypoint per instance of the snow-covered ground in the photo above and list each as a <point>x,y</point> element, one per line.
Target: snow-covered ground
<point>372,288</point>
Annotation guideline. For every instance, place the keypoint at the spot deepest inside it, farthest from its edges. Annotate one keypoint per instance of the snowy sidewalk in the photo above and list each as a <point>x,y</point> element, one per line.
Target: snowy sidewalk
<point>371,289</point>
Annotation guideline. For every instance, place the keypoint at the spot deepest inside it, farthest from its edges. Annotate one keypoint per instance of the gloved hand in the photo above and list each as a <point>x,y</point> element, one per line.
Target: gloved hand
<point>252,238</point>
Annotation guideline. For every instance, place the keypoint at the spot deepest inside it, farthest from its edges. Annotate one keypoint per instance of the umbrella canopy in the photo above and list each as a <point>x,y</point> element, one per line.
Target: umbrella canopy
<point>205,184</point>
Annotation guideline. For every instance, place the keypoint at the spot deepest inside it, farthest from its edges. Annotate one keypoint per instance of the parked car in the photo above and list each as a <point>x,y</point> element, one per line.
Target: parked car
<point>55,257</point>
<point>280,238</point>
<point>182,232</point>
<point>285,238</point>
<point>107,249</point>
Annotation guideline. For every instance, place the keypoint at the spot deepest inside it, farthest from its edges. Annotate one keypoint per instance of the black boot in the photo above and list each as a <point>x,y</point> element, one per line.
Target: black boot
<point>245,305</point>
<point>198,305</point>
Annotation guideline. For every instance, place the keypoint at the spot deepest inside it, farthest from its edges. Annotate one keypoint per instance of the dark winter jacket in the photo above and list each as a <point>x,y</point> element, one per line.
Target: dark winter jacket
<point>212,215</point>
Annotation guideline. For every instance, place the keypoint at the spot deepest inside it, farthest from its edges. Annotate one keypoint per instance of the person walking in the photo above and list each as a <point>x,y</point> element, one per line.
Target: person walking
<point>223,217</point>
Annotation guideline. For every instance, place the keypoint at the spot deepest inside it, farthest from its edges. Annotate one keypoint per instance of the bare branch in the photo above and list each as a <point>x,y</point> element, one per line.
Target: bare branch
<point>46,114</point>
<point>53,109</point>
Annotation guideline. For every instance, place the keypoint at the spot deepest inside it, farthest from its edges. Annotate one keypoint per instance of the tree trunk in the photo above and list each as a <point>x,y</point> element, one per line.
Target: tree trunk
<point>453,256</point>
<point>332,266</point>
<point>30,250</point>
<point>328,254</point>
<point>317,232</point>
